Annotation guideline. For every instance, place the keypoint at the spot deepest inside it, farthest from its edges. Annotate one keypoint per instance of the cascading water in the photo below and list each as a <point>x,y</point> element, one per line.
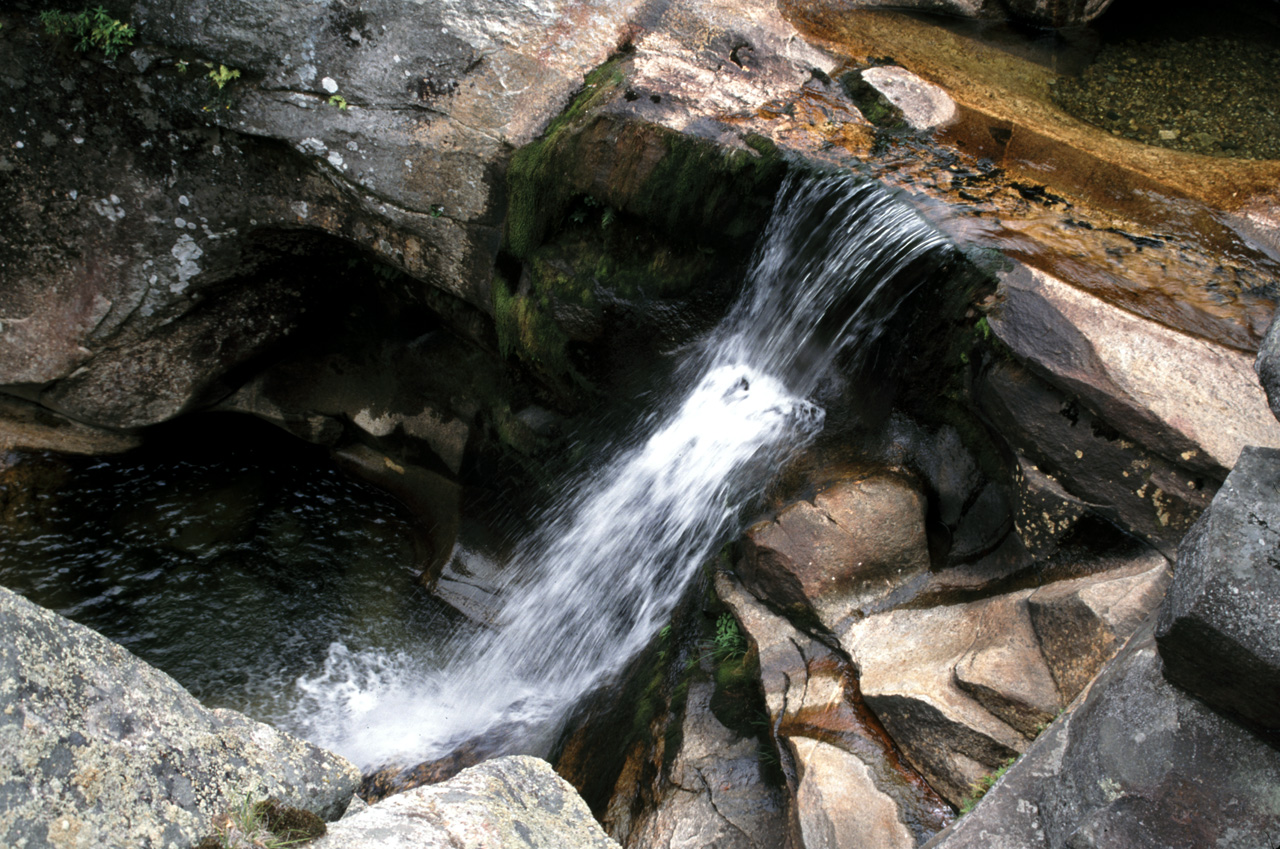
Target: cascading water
<point>613,556</point>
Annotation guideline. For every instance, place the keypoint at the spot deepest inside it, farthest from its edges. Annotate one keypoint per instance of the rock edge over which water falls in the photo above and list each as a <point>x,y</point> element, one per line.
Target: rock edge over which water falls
<point>100,750</point>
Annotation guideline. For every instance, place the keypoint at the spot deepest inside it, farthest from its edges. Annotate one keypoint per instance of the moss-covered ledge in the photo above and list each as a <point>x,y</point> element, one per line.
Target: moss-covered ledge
<point>609,215</point>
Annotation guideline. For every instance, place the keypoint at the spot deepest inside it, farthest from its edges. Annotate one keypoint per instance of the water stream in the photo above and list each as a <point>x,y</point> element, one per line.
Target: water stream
<point>613,554</point>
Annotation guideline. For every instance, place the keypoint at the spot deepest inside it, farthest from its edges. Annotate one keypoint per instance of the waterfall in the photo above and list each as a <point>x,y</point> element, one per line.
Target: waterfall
<point>592,587</point>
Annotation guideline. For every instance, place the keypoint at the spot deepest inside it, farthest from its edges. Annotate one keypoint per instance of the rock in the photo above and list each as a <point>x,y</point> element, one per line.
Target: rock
<point>907,660</point>
<point>1191,401</point>
<point>845,551</point>
<point>1219,627</point>
<point>507,803</point>
<point>717,795</point>
<point>98,749</point>
<point>1004,670</point>
<point>1045,511</point>
<point>1267,365</point>
<point>1136,763</point>
<point>924,105</point>
<point>834,805</point>
<point>842,765</point>
<point>25,426</point>
<point>1129,486</point>
<point>177,200</point>
<point>1082,623</point>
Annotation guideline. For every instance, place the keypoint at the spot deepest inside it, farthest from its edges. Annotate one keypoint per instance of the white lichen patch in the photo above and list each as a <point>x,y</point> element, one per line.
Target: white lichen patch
<point>186,252</point>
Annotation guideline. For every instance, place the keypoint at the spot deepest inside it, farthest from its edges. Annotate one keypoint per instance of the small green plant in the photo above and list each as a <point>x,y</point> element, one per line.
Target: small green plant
<point>94,27</point>
<point>338,101</point>
<point>728,643</point>
<point>221,75</point>
<point>980,787</point>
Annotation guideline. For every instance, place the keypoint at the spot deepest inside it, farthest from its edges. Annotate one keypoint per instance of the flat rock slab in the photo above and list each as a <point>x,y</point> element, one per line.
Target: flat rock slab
<point>98,749</point>
<point>507,803</point>
<point>1194,402</point>
<point>1120,480</point>
<point>907,660</point>
<point>1138,763</point>
<point>1219,628</point>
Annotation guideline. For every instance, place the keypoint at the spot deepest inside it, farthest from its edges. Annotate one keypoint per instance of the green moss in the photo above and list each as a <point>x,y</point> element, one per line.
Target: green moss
<point>538,188</point>
<point>527,330</point>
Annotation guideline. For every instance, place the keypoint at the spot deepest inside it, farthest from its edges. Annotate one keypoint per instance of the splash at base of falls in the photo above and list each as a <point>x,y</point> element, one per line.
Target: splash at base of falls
<point>592,587</point>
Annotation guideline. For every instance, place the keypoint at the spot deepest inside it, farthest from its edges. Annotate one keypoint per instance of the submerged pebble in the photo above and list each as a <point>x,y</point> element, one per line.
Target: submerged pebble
<point>1214,95</point>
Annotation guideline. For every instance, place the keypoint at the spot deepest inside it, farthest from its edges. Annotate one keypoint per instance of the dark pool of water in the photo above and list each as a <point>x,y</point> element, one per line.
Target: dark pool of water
<point>224,552</point>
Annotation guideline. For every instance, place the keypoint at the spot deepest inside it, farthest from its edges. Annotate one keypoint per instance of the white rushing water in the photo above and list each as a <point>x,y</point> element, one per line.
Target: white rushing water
<point>612,557</point>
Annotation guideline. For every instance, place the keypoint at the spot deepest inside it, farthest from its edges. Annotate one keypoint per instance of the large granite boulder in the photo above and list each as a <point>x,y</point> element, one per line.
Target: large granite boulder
<point>1120,480</point>
<point>1219,628</point>
<point>1191,401</point>
<point>98,749</point>
<point>507,803</point>
<point>962,688</point>
<point>1137,763</point>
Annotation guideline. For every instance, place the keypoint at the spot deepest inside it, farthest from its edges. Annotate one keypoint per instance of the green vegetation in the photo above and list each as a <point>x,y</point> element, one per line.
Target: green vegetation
<point>221,75</point>
<point>340,102</point>
<point>728,643</point>
<point>267,824</point>
<point>95,28</point>
<point>982,785</point>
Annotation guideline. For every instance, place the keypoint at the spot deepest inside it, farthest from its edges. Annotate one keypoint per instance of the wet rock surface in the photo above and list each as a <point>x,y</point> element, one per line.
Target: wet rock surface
<point>100,749</point>
<point>849,786</point>
<point>1267,365</point>
<point>504,803</point>
<point>1219,627</point>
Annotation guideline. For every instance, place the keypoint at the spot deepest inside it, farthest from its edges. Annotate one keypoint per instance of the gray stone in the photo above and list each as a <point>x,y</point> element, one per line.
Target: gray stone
<point>1267,365</point>
<point>507,803</point>
<point>1219,627</point>
<point>1137,763</point>
<point>924,105</point>
<point>1187,399</point>
<point>98,749</point>
<point>717,795</point>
